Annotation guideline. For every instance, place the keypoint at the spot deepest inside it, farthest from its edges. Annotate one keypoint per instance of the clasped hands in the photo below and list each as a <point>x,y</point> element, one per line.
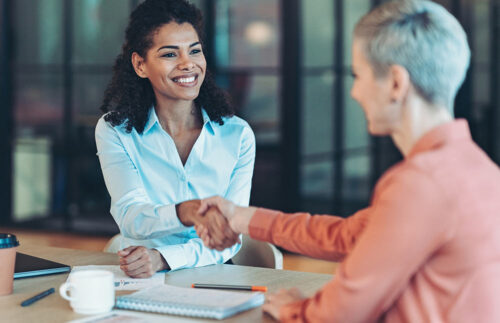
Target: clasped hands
<point>220,222</point>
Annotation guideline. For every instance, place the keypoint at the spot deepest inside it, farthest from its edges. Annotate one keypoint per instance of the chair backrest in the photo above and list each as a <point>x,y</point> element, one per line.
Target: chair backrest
<point>258,254</point>
<point>113,244</point>
<point>252,253</point>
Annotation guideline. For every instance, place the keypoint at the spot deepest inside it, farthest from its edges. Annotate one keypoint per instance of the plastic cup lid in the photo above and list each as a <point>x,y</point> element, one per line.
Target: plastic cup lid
<point>8,240</point>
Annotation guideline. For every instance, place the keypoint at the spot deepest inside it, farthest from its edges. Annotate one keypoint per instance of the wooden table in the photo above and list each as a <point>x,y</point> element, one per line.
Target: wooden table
<point>55,309</point>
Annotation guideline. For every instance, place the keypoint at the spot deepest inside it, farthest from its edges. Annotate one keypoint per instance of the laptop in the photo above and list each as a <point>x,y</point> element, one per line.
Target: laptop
<point>31,266</point>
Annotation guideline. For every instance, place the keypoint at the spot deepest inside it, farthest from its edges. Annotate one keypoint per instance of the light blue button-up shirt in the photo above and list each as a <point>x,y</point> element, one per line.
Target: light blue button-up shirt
<point>145,178</point>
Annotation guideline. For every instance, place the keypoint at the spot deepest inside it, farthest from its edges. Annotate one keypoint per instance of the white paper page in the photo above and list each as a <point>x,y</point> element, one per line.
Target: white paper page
<point>122,281</point>
<point>118,316</point>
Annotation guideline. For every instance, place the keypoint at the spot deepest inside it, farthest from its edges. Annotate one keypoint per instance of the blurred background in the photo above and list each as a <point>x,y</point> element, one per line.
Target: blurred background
<point>286,64</point>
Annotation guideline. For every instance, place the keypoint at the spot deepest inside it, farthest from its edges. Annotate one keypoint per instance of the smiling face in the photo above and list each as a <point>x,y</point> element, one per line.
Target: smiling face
<point>175,64</point>
<point>374,94</point>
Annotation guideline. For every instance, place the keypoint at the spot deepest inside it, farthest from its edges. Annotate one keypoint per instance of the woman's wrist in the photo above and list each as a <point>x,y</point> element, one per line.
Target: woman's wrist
<point>241,219</point>
<point>186,212</point>
<point>161,263</point>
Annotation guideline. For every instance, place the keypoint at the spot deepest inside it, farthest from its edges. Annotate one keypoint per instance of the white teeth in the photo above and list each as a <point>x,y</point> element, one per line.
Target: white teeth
<point>185,80</point>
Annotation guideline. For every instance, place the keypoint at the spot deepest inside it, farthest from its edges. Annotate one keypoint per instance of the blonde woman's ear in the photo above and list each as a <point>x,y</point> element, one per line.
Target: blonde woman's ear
<point>400,83</point>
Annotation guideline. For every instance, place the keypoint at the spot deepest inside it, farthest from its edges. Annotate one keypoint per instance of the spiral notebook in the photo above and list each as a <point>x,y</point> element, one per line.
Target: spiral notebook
<point>206,303</point>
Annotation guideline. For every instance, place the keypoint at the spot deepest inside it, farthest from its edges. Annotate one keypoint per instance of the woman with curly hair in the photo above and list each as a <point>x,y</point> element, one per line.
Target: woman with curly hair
<point>168,138</point>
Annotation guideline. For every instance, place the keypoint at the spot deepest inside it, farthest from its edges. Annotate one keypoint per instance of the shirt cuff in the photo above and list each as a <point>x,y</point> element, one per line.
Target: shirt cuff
<point>169,218</point>
<point>174,255</point>
<point>260,226</point>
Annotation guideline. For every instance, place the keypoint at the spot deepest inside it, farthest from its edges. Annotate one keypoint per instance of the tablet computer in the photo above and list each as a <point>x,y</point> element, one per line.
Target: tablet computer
<point>31,266</point>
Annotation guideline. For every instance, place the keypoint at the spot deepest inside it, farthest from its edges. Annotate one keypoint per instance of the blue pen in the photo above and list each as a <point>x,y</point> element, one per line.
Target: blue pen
<point>37,297</point>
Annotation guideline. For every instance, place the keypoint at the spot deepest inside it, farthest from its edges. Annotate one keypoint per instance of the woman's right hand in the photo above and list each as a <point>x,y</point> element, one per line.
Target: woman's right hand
<point>212,219</point>
<point>237,217</point>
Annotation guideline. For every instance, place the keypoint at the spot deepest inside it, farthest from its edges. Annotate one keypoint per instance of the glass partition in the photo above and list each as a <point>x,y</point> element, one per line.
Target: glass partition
<point>63,54</point>
<point>247,36</point>
<point>247,33</point>
<point>38,32</point>
<point>99,30</point>
<point>332,168</point>
<point>318,33</point>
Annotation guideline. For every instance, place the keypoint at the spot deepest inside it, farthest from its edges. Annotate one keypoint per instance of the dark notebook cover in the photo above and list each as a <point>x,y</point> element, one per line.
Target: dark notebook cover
<point>30,266</point>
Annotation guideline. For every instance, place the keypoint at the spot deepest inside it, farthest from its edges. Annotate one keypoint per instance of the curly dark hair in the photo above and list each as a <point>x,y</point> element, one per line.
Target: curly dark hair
<point>128,97</point>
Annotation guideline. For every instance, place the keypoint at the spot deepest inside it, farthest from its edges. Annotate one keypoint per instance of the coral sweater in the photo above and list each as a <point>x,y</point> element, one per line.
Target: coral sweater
<point>427,249</point>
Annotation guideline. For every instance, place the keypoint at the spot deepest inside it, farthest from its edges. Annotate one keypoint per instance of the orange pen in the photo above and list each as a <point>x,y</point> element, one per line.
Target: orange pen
<point>237,287</point>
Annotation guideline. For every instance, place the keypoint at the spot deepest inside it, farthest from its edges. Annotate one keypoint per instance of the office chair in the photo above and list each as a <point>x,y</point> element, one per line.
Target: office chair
<point>113,244</point>
<point>258,254</point>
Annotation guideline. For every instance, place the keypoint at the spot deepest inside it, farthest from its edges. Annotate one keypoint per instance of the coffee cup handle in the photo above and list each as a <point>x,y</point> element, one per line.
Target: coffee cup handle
<point>63,290</point>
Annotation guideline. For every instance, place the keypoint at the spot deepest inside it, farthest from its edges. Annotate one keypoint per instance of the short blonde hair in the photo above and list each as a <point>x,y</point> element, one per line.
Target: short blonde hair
<point>425,39</point>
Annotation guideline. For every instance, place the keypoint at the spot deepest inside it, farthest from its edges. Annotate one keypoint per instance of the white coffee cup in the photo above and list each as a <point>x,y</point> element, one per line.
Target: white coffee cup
<point>92,291</point>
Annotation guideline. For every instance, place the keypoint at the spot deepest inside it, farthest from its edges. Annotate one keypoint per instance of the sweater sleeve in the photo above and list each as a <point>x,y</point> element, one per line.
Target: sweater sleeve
<point>320,236</point>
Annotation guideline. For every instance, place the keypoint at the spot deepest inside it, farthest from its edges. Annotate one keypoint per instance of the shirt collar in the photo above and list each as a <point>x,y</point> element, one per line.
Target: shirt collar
<point>153,119</point>
<point>206,120</point>
<point>441,135</point>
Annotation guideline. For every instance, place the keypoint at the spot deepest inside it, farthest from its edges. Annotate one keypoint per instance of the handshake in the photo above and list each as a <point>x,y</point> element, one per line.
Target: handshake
<point>218,222</point>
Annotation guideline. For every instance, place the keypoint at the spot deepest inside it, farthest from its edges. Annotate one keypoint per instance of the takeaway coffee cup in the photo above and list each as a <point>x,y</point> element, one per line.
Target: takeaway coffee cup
<point>91,291</point>
<point>8,246</point>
